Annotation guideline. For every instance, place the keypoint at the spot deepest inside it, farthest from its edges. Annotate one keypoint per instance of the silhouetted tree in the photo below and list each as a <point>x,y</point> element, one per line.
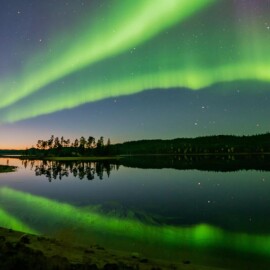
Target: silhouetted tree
<point>76,143</point>
<point>50,142</point>
<point>82,142</point>
<point>100,146</point>
<point>44,145</point>
<point>62,141</point>
<point>57,144</point>
<point>39,144</point>
<point>90,142</point>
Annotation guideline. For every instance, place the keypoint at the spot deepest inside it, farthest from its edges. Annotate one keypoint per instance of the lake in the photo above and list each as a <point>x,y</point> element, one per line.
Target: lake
<point>209,211</point>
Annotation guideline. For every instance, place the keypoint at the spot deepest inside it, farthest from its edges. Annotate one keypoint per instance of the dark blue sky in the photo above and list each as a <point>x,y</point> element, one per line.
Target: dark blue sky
<point>103,68</point>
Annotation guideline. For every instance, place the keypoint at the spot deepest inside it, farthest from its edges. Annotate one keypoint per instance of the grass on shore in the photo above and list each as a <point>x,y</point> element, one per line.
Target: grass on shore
<point>6,169</point>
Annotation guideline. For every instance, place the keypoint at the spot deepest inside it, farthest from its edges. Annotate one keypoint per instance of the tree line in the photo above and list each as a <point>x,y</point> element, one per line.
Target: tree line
<point>218,144</point>
<point>61,146</point>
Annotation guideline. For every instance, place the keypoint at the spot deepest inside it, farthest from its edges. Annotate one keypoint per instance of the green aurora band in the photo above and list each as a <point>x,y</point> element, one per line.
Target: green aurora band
<point>151,50</point>
<point>51,213</point>
<point>8,221</point>
<point>131,23</point>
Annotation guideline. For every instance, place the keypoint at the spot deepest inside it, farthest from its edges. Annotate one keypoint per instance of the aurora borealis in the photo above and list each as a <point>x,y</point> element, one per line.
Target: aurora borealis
<point>131,70</point>
<point>45,213</point>
<point>87,59</point>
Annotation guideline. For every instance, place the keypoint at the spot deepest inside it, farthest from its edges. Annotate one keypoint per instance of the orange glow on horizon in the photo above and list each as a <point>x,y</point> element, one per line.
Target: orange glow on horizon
<point>13,147</point>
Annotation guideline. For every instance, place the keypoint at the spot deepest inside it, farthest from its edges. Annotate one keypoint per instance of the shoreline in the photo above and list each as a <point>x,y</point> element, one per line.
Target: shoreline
<point>122,156</point>
<point>28,251</point>
<point>55,158</point>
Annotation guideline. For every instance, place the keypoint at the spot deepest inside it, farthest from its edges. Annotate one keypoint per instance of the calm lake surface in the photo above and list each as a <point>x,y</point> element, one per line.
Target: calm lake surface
<point>179,214</point>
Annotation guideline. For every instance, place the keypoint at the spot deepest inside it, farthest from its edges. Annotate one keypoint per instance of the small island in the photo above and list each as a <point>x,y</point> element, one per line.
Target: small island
<point>7,168</point>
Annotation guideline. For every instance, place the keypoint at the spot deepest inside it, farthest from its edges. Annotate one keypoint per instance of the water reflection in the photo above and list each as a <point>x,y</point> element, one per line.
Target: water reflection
<point>218,163</point>
<point>81,170</point>
<point>52,214</point>
<point>90,170</point>
<point>12,222</point>
<point>165,210</point>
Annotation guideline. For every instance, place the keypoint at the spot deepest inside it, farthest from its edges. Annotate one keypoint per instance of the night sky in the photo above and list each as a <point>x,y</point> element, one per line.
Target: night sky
<point>133,70</point>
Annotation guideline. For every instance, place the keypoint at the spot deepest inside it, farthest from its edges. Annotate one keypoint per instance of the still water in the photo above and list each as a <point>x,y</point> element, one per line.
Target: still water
<point>186,213</point>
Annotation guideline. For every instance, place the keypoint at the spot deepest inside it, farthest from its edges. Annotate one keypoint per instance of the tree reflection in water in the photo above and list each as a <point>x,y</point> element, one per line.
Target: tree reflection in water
<point>60,169</point>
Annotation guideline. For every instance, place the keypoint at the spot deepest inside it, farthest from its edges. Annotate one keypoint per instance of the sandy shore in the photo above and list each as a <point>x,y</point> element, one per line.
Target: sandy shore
<point>25,251</point>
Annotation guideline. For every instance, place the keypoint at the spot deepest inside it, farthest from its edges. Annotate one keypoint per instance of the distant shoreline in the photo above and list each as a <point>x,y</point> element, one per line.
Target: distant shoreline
<point>101,158</point>
<point>199,146</point>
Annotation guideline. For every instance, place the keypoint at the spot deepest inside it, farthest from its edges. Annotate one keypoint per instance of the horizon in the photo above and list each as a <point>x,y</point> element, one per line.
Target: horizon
<point>149,139</point>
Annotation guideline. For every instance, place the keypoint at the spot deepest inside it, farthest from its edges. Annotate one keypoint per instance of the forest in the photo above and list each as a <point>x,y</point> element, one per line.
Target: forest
<point>219,144</point>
